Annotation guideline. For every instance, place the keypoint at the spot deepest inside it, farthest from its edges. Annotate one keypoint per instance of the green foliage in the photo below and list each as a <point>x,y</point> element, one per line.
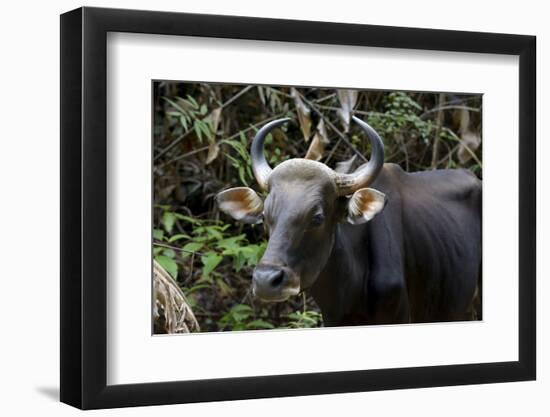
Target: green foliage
<point>208,248</point>
<point>241,161</point>
<point>236,318</point>
<point>210,261</point>
<point>168,220</point>
<point>306,318</point>
<point>191,116</point>
<point>241,253</point>
<point>402,115</point>
<point>190,247</point>
<point>168,263</point>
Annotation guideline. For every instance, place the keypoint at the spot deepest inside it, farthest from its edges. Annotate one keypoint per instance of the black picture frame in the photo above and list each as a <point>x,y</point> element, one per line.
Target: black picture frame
<point>84,207</point>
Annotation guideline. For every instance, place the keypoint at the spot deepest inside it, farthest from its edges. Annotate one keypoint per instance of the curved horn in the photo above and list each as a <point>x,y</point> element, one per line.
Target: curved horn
<point>349,183</point>
<point>260,167</point>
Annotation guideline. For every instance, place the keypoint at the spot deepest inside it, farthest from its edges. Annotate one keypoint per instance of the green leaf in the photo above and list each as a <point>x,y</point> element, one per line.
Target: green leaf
<point>198,130</point>
<point>242,176</point>
<point>203,109</point>
<point>240,312</point>
<point>225,289</point>
<point>231,242</point>
<point>168,264</point>
<point>259,324</point>
<point>179,236</point>
<point>168,220</point>
<point>187,219</point>
<point>193,102</point>
<point>176,105</point>
<point>158,234</point>
<point>238,261</point>
<point>183,121</point>
<point>241,308</point>
<point>192,247</point>
<point>210,261</point>
<point>169,252</point>
<point>196,287</point>
<point>214,232</point>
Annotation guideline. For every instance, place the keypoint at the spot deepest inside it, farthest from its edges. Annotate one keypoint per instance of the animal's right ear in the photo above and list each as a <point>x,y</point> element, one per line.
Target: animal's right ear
<point>364,204</point>
<point>241,203</point>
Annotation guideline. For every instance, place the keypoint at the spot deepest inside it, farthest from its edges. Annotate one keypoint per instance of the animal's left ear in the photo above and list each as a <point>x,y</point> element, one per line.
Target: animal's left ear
<point>364,204</point>
<point>241,203</point>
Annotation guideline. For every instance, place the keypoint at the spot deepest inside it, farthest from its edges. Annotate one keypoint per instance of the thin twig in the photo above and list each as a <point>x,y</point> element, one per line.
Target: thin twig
<point>449,155</point>
<point>248,292</point>
<point>452,107</point>
<point>406,152</point>
<point>439,123</point>
<point>174,143</point>
<point>325,98</point>
<point>331,153</point>
<point>164,245</point>
<point>355,111</point>
<point>370,113</point>
<point>282,93</point>
<point>254,126</point>
<point>185,155</point>
<point>236,96</point>
<point>191,265</point>
<point>458,139</point>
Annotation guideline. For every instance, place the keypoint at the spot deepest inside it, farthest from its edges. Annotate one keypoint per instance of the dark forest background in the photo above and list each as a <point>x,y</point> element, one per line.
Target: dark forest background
<point>202,134</point>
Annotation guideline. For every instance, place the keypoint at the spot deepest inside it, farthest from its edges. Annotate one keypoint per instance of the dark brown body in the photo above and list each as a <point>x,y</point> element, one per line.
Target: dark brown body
<point>419,260</point>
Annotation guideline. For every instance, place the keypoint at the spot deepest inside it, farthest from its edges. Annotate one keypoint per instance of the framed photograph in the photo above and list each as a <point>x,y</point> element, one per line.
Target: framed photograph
<point>257,208</point>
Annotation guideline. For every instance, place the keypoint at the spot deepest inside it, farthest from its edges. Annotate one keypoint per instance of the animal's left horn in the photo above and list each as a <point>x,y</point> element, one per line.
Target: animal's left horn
<point>349,183</point>
<point>260,167</point>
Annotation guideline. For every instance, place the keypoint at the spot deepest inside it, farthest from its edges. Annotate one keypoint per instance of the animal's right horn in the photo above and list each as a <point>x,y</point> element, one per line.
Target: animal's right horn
<point>349,183</point>
<point>260,167</point>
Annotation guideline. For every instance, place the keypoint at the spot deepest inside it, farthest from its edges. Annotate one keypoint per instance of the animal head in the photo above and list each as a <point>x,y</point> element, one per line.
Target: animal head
<point>305,201</point>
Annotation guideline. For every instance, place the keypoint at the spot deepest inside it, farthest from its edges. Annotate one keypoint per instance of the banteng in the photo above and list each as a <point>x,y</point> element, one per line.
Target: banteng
<point>406,250</point>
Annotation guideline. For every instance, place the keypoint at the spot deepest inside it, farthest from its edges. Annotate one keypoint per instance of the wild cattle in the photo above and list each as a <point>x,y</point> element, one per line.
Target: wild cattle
<point>406,250</point>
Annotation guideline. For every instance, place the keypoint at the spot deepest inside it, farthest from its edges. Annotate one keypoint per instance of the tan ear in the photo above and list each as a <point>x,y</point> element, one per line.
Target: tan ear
<point>241,203</point>
<point>364,204</point>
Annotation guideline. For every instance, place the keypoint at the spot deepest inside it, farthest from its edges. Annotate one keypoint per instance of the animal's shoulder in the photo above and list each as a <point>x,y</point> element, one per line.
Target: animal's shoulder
<point>440,180</point>
<point>426,189</point>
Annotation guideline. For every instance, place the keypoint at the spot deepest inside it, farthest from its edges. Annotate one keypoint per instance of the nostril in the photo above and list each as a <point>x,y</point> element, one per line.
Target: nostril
<point>277,279</point>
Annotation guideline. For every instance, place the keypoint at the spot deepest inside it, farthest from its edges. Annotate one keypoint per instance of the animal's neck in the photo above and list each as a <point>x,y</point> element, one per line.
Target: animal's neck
<point>340,289</point>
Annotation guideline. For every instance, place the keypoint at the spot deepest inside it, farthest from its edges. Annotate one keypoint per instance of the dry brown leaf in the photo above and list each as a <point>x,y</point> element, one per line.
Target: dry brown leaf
<point>215,117</point>
<point>316,148</point>
<point>320,140</point>
<point>261,94</point>
<point>322,131</point>
<point>303,114</point>
<point>461,120</point>
<point>166,191</point>
<point>213,152</point>
<point>470,140</point>
<point>347,98</point>
<point>171,312</point>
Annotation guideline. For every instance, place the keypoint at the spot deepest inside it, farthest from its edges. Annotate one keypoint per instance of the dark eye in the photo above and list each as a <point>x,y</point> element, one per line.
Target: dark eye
<point>317,220</point>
